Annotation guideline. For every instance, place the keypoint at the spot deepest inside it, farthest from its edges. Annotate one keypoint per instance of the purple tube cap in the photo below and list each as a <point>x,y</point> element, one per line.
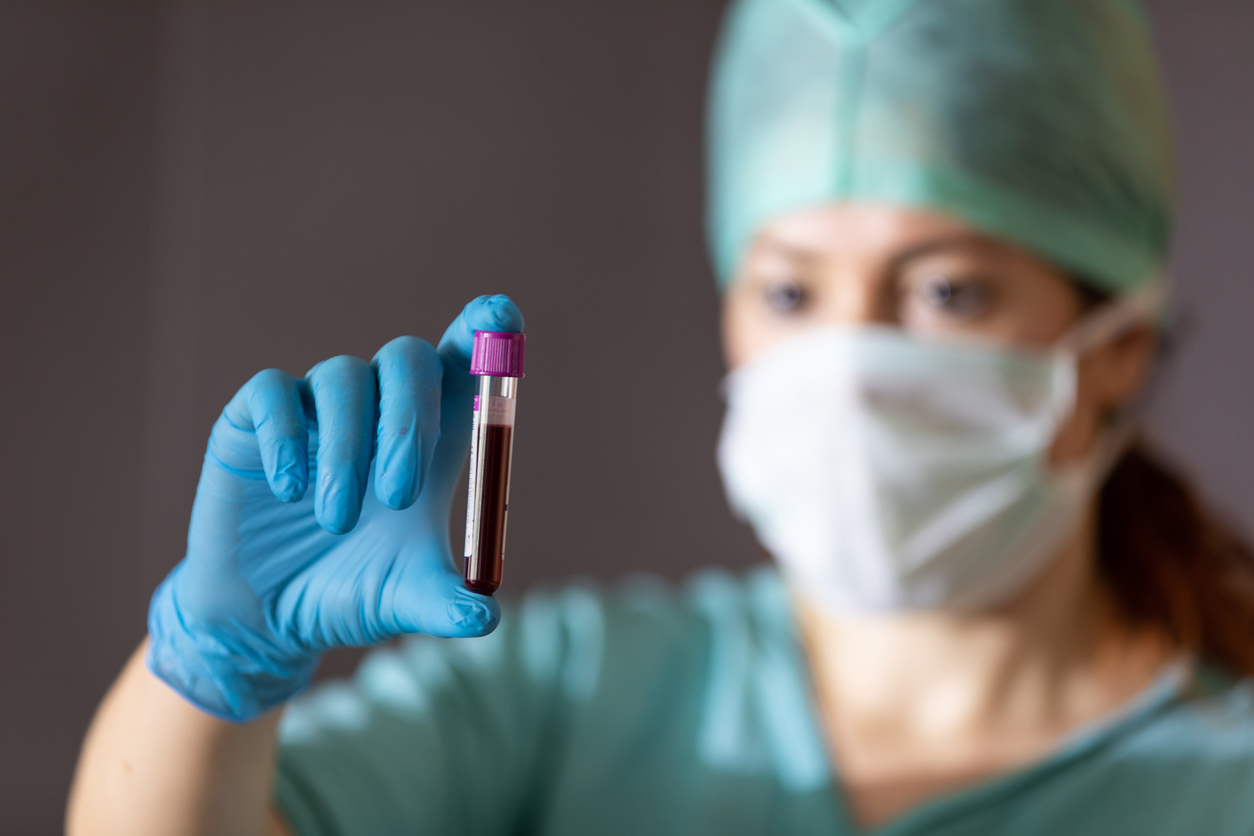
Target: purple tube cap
<point>497,353</point>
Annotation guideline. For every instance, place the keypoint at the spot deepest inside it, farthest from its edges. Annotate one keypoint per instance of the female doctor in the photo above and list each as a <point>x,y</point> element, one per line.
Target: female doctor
<point>940,228</point>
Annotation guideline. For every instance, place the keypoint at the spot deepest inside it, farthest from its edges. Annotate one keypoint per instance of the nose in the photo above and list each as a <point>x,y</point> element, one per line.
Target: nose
<point>860,297</point>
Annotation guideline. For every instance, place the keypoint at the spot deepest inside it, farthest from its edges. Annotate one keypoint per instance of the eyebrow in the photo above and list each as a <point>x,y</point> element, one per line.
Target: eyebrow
<point>788,250</point>
<point>941,243</point>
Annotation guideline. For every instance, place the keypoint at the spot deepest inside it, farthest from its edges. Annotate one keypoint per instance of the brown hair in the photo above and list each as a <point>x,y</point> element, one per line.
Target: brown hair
<point>1173,565</point>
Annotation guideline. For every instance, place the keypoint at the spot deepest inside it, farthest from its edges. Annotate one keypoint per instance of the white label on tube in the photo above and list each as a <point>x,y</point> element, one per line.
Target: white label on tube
<point>500,411</point>
<point>471,500</point>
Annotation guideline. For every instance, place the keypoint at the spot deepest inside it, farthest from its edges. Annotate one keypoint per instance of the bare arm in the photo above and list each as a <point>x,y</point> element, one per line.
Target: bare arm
<point>154,764</point>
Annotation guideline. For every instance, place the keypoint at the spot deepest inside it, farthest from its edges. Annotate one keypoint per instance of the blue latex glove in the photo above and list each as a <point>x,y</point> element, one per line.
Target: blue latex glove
<point>278,570</point>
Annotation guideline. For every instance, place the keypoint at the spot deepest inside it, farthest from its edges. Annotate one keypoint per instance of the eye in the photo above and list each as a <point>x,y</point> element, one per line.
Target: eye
<point>954,296</point>
<point>785,295</point>
<point>936,291</point>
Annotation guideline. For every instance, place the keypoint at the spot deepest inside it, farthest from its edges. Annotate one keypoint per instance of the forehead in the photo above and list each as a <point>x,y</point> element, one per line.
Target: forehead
<point>871,233</point>
<point>836,228</point>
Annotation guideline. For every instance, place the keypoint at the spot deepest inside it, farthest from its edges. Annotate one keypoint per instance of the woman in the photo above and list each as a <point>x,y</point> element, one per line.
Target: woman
<point>940,226</point>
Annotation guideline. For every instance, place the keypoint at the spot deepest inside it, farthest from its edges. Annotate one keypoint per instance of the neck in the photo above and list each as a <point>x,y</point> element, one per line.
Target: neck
<point>1056,657</point>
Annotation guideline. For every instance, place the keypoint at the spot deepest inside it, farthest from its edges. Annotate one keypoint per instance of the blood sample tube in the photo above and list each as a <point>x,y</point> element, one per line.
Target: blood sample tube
<point>497,358</point>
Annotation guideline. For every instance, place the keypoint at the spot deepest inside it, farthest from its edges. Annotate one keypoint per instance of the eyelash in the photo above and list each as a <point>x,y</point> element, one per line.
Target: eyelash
<point>953,296</point>
<point>958,294</point>
<point>785,295</point>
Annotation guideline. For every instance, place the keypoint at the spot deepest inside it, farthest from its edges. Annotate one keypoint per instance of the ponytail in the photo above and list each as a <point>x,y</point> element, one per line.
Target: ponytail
<point>1174,566</point>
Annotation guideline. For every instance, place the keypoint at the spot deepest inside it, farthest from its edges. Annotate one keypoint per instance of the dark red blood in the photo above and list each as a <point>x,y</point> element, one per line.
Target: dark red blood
<point>483,571</point>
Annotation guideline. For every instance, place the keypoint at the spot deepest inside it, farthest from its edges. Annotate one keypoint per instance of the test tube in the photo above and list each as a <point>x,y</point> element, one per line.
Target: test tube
<point>497,358</point>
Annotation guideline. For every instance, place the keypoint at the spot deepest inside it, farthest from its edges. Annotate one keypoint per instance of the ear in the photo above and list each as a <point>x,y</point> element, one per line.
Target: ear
<point>1116,372</point>
<point>1108,379</point>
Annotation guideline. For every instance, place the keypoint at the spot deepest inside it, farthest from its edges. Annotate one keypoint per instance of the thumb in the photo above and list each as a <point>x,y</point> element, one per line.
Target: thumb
<point>433,601</point>
<point>487,313</point>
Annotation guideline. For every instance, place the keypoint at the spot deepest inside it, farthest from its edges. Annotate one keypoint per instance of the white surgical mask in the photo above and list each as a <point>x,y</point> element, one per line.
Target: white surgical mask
<point>885,472</point>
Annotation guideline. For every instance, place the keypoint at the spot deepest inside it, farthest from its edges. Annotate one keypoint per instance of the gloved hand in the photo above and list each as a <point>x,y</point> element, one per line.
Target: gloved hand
<point>279,570</point>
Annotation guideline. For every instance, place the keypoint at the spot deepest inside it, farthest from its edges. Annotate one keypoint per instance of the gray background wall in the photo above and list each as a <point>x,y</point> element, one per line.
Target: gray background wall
<point>192,191</point>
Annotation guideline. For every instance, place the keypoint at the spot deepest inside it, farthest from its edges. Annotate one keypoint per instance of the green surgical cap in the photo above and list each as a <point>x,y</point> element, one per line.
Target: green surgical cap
<point>1040,121</point>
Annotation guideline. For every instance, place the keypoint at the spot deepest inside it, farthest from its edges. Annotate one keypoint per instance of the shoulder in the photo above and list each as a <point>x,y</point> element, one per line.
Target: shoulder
<point>710,671</point>
<point>1193,759</point>
<point>1212,719</point>
<point>593,636</point>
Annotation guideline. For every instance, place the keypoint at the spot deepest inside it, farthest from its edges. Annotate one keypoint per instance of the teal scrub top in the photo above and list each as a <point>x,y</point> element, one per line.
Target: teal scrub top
<point>651,709</point>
